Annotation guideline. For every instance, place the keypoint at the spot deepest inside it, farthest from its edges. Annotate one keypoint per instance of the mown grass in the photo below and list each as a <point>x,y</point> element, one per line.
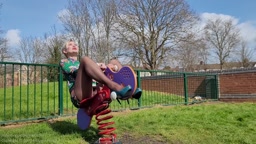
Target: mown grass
<point>42,100</point>
<point>34,100</point>
<point>149,99</point>
<point>211,123</point>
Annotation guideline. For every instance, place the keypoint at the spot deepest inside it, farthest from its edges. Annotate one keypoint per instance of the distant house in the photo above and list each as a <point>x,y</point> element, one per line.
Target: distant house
<point>213,67</point>
<point>15,75</point>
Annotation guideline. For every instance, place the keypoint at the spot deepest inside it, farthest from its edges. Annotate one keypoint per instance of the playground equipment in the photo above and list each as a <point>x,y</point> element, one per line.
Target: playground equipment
<point>99,105</point>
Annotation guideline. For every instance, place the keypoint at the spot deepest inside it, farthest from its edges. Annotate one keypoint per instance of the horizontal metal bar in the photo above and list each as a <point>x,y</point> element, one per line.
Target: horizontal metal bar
<point>16,63</point>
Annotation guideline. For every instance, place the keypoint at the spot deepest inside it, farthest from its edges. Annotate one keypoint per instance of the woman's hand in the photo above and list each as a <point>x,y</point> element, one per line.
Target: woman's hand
<point>113,67</point>
<point>102,66</point>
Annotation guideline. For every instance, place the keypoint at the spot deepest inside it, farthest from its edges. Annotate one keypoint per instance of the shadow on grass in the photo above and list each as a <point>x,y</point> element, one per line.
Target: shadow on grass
<point>64,127</point>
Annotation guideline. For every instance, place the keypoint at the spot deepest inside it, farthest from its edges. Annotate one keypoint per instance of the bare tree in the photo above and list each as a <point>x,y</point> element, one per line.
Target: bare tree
<point>4,50</point>
<point>105,12</point>
<point>30,50</point>
<point>23,52</point>
<point>77,22</point>
<point>99,51</point>
<point>53,43</point>
<point>152,28</point>
<point>245,54</point>
<point>191,54</point>
<point>223,36</point>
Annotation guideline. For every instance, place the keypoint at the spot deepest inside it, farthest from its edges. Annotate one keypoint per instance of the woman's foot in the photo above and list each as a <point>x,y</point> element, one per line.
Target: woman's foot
<point>124,93</point>
<point>137,93</point>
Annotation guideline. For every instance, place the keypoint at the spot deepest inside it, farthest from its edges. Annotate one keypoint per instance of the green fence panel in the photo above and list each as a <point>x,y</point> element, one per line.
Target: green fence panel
<point>39,91</point>
<point>28,91</point>
<point>161,88</point>
<point>185,88</point>
<point>139,86</point>
<point>171,88</point>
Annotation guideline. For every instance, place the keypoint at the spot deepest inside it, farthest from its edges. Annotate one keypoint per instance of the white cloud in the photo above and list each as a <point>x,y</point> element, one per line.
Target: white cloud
<point>213,16</point>
<point>63,13</point>
<point>248,31</point>
<point>13,37</point>
<point>247,28</point>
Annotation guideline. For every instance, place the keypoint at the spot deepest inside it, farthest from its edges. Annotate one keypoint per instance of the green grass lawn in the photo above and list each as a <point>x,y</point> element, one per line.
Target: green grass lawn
<point>205,123</point>
<point>42,100</point>
<point>34,100</point>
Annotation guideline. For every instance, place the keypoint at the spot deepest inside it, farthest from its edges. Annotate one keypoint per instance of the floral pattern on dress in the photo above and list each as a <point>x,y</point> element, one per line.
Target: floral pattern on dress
<point>69,68</point>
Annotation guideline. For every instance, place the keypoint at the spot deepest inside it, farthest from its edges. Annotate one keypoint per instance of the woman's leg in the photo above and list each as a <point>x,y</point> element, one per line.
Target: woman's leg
<point>138,92</point>
<point>87,71</point>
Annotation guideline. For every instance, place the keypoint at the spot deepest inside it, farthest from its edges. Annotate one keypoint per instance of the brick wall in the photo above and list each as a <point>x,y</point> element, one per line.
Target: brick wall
<point>237,86</point>
<point>20,78</point>
<point>240,83</point>
<point>233,86</point>
<point>196,85</point>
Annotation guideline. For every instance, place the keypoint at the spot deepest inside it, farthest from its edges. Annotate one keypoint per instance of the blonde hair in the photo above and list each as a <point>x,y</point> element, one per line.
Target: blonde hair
<point>64,47</point>
<point>62,50</point>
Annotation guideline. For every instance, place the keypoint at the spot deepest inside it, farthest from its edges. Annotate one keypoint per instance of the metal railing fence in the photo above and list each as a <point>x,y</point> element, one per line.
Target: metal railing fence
<point>37,91</point>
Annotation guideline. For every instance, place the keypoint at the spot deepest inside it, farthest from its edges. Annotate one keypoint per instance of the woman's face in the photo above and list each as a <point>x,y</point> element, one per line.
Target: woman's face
<point>71,48</point>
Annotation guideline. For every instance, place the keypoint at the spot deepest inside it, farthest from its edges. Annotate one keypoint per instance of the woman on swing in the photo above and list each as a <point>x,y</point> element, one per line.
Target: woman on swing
<point>80,75</point>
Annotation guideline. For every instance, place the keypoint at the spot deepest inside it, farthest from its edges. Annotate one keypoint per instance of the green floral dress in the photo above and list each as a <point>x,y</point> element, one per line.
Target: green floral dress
<point>69,68</point>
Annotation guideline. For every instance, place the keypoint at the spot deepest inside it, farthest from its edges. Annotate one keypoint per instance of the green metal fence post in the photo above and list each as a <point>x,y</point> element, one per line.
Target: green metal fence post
<point>185,88</point>
<point>60,92</point>
<point>5,83</point>
<point>138,85</point>
<point>216,86</point>
<point>12,91</point>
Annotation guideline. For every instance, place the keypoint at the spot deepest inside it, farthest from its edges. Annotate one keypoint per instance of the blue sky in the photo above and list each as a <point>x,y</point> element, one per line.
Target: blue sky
<point>244,10</point>
<point>31,17</point>
<point>23,18</point>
